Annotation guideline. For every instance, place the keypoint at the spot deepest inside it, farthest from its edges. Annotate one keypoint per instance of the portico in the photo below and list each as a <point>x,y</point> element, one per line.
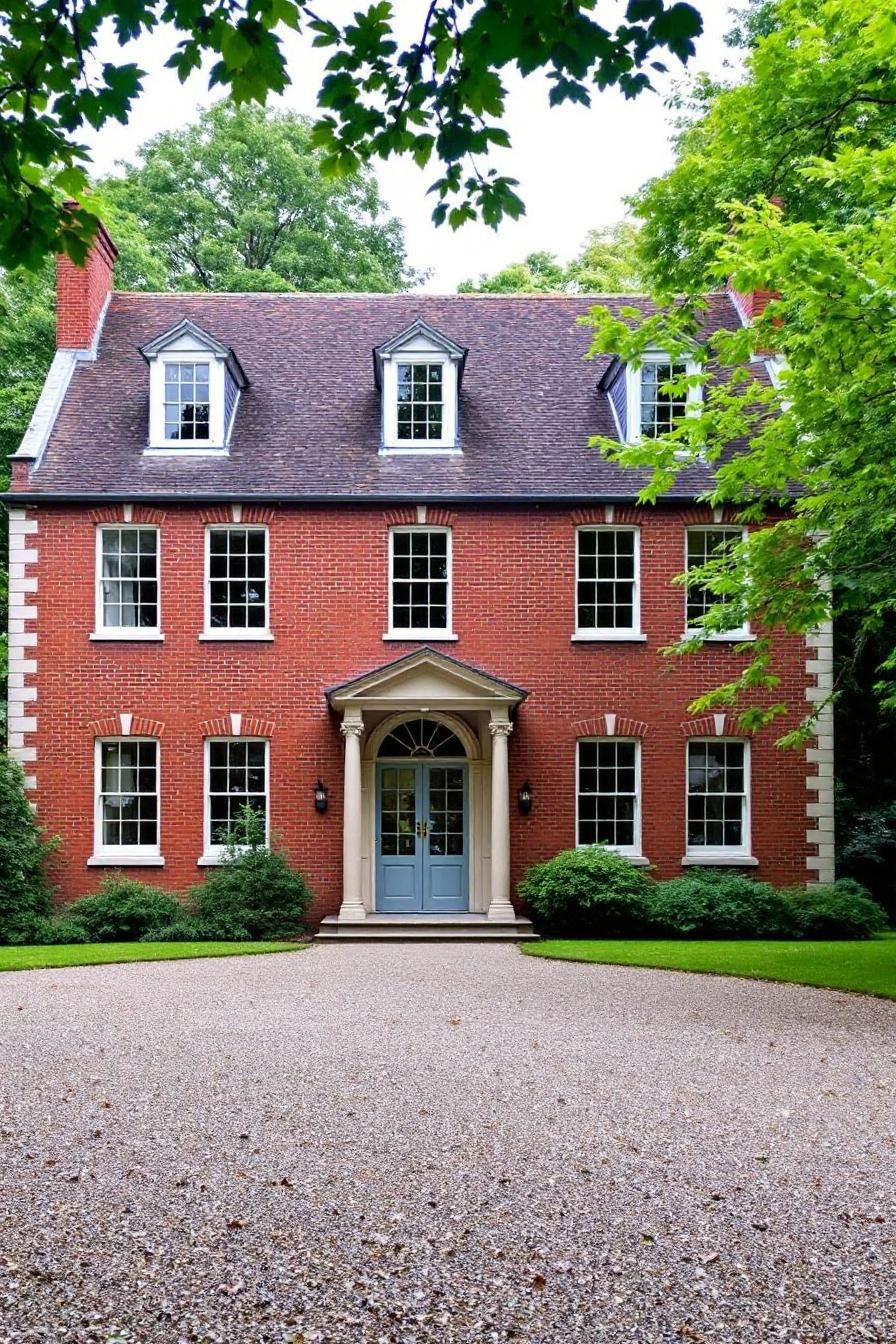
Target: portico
<point>426,794</point>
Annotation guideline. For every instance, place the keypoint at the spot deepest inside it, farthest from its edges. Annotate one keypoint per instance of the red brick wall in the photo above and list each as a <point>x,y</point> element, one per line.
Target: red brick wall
<point>513,613</point>
<point>81,292</point>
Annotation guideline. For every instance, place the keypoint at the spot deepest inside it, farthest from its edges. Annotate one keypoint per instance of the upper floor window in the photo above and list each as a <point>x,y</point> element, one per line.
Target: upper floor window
<point>419,373</point>
<point>187,401</point>
<point>607,585</point>
<point>194,388</point>
<point>127,582</point>
<point>717,797</point>
<point>421,405</point>
<point>420,582</point>
<point>127,799</point>
<point>664,397</point>
<point>608,810</point>
<point>236,596</point>
<point>703,545</point>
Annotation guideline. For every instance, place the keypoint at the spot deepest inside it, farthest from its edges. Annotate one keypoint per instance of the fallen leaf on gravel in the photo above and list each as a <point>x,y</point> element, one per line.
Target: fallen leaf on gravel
<point>538,1281</point>
<point>235,1222</point>
<point>454,1021</point>
<point>760,1227</point>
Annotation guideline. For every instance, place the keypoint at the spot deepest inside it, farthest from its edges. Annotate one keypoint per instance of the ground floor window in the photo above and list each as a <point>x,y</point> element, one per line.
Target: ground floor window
<point>718,796</point>
<point>608,809</point>
<point>127,797</point>
<point>236,777</point>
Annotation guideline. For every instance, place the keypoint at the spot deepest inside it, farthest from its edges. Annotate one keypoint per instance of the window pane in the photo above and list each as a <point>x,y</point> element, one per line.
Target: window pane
<point>234,554</point>
<point>420,402</point>
<point>716,795</point>
<point>607,793</point>
<point>703,545</point>
<point>419,581</point>
<point>128,793</point>
<point>605,579</point>
<point>237,778</point>
<point>661,408</point>
<point>128,578</point>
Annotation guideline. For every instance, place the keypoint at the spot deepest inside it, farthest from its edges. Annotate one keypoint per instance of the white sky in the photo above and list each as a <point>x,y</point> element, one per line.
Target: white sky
<point>575,165</point>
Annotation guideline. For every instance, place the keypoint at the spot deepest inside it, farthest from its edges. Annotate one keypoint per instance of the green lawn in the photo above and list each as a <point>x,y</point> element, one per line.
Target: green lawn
<point>98,954</point>
<point>869,967</point>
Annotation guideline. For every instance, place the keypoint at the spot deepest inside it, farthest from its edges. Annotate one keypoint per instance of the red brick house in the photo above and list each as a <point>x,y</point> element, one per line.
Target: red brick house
<point>349,559</point>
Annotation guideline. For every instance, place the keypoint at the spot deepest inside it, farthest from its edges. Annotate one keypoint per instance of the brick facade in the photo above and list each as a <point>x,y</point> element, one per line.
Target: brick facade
<point>513,572</point>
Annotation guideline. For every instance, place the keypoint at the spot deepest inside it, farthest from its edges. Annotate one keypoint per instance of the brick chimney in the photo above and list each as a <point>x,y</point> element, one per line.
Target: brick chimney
<point>752,304</point>
<point>82,291</point>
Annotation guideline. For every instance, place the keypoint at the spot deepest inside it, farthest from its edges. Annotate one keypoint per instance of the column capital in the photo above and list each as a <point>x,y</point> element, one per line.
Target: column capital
<point>500,728</point>
<point>351,728</point>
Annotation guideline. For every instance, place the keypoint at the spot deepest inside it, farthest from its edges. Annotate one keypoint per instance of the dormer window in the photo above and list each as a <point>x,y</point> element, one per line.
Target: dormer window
<point>419,374</point>
<point>187,402</point>
<point>194,388</point>
<point>649,399</point>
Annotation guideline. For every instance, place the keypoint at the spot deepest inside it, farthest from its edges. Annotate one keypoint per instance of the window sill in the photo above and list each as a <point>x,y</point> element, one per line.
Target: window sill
<point>126,861</point>
<point>719,861</point>
<point>242,636</point>
<point>608,637</point>
<point>412,636</point>
<point>210,861</point>
<point>435,449</point>
<point>723,637</point>
<point>126,637</point>
<point>636,860</point>
<point>188,450</point>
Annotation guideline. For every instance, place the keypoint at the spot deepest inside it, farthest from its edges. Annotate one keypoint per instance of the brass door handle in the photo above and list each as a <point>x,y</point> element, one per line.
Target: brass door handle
<point>422,829</point>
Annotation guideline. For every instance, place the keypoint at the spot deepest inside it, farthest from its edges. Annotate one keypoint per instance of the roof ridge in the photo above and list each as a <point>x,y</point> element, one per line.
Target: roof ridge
<point>363,294</point>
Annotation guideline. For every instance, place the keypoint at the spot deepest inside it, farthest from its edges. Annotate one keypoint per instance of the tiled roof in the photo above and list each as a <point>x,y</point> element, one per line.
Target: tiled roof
<point>309,424</point>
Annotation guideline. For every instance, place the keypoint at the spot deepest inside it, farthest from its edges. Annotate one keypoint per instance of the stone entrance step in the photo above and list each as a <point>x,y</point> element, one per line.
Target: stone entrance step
<point>425,928</point>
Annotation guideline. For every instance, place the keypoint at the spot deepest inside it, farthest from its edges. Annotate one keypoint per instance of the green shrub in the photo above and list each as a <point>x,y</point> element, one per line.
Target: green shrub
<point>587,893</point>
<point>124,909</point>
<point>188,928</point>
<point>24,854</point>
<point>57,929</point>
<point>714,904</point>
<point>254,893</point>
<point>841,910</point>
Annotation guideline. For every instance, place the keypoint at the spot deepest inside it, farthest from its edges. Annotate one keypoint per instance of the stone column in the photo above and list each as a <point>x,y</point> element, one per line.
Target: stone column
<point>499,905</point>
<point>352,907</point>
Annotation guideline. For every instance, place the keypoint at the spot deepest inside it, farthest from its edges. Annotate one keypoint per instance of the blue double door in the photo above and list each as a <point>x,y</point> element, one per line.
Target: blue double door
<point>421,838</point>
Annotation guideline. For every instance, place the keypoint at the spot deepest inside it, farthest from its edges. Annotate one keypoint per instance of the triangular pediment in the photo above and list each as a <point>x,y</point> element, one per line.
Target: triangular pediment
<point>425,679</point>
<point>188,338</point>
<point>419,339</point>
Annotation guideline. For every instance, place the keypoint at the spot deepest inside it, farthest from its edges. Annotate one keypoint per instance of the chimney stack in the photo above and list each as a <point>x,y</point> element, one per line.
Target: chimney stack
<point>82,292</point>
<point>752,304</point>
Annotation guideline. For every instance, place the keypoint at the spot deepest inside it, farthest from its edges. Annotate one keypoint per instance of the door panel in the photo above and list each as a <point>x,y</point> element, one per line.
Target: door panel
<point>445,861</point>
<point>398,846</point>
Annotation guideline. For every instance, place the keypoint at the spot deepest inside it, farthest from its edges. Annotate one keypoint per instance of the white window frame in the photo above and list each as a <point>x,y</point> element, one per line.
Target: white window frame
<point>216,442</point>
<point>127,632</point>
<point>719,855</point>
<point>391,442</point>
<point>588,634</point>
<point>213,854</point>
<point>736,634</point>
<point>115,856</point>
<point>633,394</point>
<point>253,633</point>
<point>399,632</point>
<point>635,850</point>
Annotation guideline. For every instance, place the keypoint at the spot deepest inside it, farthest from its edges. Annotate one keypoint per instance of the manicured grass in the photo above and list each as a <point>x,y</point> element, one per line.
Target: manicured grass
<point>98,954</point>
<point>868,967</point>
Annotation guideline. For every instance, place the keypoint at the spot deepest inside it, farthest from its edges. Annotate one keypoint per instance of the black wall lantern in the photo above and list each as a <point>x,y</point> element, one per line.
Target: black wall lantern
<point>524,798</point>
<point>320,797</point>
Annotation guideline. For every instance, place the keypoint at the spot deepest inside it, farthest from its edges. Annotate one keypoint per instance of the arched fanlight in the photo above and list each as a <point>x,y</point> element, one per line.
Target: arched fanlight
<point>425,738</point>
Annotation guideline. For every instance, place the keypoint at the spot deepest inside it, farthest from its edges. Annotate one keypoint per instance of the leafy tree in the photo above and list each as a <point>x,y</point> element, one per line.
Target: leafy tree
<point>24,854</point>
<point>815,122</point>
<point>439,96</point>
<point>607,264</point>
<point>237,201</point>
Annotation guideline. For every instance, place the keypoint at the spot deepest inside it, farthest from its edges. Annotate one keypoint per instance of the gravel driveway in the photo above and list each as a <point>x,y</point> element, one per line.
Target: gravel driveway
<point>412,1144</point>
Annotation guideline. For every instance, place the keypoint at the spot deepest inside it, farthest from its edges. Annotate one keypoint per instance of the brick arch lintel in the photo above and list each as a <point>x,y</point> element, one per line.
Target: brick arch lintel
<point>235,724</point>
<point>243,513</point>
<point>122,513</point>
<point>610,725</point>
<point>410,516</point>
<point>610,515</point>
<point>126,725</point>
<point>713,725</point>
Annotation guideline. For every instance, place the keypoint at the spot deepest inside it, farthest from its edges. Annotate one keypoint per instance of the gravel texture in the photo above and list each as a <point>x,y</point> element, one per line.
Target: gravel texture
<point>409,1144</point>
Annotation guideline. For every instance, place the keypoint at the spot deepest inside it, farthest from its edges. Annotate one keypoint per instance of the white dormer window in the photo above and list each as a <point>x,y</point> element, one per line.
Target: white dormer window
<point>649,399</point>
<point>419,374</point>
<point>194,388</point>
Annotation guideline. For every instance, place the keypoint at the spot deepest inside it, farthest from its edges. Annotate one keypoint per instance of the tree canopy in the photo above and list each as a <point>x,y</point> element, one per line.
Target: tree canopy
<point>814,124</point>
<point>439,97</point>
<point>237,201</point>
<point>608,263</point>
